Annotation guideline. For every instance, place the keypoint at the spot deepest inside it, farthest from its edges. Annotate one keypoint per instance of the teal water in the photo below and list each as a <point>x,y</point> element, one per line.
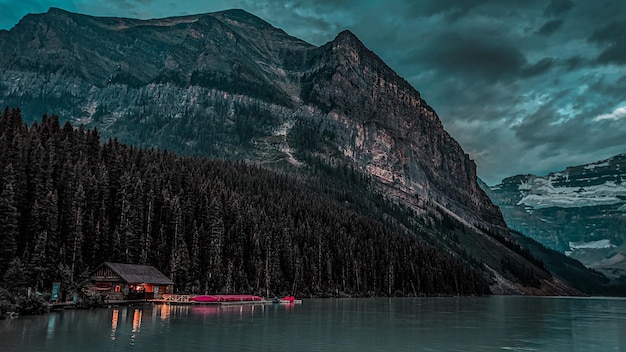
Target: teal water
<point>375,324</point>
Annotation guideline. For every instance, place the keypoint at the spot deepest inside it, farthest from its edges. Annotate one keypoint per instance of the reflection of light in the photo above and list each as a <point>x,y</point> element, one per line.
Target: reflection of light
<point>137,320</point>
<point>136,325</point>
<point>289,306</point>
<point>51,325</point>
<point>206,310</point>
<point>165,311</point>
<point>114,320</point>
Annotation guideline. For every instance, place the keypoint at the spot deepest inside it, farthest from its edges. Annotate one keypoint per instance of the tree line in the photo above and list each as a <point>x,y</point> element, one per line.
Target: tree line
<point>69,202</point>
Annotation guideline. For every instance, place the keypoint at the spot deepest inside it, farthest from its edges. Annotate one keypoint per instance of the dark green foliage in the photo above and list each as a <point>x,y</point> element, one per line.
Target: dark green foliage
<point>7,304</point>
<point>515,247</point>
<point>212,226</point>
<point>8,218</point>
<point>29,305</point>
<point>524,272</point>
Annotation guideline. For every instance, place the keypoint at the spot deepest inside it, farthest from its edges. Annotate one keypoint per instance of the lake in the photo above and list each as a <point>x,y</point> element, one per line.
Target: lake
<point>496,323</point>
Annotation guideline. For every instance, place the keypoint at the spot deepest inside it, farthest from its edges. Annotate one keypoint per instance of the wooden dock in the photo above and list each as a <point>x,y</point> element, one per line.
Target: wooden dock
<point>174,300</point>
<point>188,300</point>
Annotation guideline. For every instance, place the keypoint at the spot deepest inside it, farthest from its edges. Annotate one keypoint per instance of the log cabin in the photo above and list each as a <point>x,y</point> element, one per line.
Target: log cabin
<point>118,281</point>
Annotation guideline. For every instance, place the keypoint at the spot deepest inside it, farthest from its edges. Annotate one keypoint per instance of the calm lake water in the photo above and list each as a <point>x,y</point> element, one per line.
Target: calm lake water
<point>376,324</point>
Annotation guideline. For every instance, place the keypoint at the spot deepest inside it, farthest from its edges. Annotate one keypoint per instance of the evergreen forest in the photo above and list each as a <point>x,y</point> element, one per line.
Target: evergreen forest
<point>69,202</point>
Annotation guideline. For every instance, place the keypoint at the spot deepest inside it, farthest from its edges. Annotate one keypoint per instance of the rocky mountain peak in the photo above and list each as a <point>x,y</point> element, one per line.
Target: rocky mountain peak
<point>240,16</point>
<point>346,36</point>
<point>58,11</point>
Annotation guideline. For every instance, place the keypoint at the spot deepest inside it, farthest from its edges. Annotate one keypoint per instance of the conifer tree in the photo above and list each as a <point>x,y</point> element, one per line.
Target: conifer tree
<point>8,219</point>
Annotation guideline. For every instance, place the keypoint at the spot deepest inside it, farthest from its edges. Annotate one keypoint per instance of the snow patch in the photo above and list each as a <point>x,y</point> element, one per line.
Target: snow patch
<point>591,245</point>
<point>593,166</point>
<point>541,193</point>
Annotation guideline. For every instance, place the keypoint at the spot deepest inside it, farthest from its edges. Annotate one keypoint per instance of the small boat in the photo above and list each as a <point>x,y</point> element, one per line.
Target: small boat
<point>286,300</point>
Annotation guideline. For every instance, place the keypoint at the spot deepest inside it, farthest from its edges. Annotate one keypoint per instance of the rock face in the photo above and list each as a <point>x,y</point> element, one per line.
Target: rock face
<point>580,211</point>
<point>230,85</point>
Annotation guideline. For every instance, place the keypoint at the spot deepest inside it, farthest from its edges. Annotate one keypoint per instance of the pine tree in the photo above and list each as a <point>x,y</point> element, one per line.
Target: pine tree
<point>77,235</point>
<point>8,219</point>
<point>215,246</point>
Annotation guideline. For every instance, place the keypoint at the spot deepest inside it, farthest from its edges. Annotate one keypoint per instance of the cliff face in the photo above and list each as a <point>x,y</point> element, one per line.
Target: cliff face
<point>578,211</point>
<point>391,132</point>
<point>230,85</point>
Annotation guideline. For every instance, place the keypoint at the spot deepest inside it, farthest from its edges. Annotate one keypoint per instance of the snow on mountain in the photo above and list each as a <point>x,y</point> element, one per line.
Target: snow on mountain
<point>542,193</point>
<point>579,211</point>
<point>593,244</point>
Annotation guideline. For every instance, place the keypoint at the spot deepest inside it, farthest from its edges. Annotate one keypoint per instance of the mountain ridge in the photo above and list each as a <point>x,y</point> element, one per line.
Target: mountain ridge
<point>578,211</point>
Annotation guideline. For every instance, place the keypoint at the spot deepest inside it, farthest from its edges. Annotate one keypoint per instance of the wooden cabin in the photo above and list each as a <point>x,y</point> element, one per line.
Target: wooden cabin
<point>116,281</point>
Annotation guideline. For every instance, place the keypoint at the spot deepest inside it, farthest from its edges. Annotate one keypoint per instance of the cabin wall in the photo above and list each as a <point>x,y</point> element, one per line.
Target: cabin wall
<point>115,290</point>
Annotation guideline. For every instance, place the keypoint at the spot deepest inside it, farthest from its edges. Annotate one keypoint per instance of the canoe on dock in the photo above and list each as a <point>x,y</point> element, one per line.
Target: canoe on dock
<point>222,299</point>
<point>225,298</point>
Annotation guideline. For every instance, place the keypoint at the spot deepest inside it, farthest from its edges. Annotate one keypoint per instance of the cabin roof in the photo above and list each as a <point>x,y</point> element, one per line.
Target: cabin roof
<point>135,273</point>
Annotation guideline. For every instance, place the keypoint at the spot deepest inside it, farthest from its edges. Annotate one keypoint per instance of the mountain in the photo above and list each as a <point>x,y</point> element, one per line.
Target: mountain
<point>580,211</point>
<point>229,85</point>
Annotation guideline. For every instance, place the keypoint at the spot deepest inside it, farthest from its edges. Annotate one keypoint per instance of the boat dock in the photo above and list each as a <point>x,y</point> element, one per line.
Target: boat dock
<point>215,300</point>
<point>224,300</point>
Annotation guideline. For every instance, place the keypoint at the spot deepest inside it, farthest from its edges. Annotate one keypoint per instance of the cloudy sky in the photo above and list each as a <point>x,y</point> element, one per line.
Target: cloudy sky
<point>526,86</point>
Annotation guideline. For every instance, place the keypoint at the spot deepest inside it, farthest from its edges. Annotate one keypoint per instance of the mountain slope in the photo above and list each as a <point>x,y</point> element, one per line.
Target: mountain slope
<point>230,85</point>
<point>580,211</point>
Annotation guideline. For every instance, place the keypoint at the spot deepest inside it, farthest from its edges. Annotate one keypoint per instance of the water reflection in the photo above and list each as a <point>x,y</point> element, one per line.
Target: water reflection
<point>136,325</point>
<point>137,320</point>
<point>51,325</point>
<point>165,311</point>
<point>114,320</point>
<point>411,324</point>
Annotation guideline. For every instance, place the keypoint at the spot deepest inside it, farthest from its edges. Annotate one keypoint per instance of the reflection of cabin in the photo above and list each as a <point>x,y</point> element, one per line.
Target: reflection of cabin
<point>128,281</point>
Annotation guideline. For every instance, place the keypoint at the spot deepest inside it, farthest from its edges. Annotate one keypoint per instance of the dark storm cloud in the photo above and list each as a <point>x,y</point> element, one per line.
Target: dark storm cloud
<point>611,32</point>
<point>612,37</point>
<point>455,9</point>
<point>550,27</point>
<point>472,56</point>
<point>538,68</point>
<point>557,7</point>
<point>573,63</point>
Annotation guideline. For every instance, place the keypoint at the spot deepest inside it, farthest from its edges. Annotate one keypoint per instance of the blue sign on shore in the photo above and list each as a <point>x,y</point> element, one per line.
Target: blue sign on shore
<point>55,291</point>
